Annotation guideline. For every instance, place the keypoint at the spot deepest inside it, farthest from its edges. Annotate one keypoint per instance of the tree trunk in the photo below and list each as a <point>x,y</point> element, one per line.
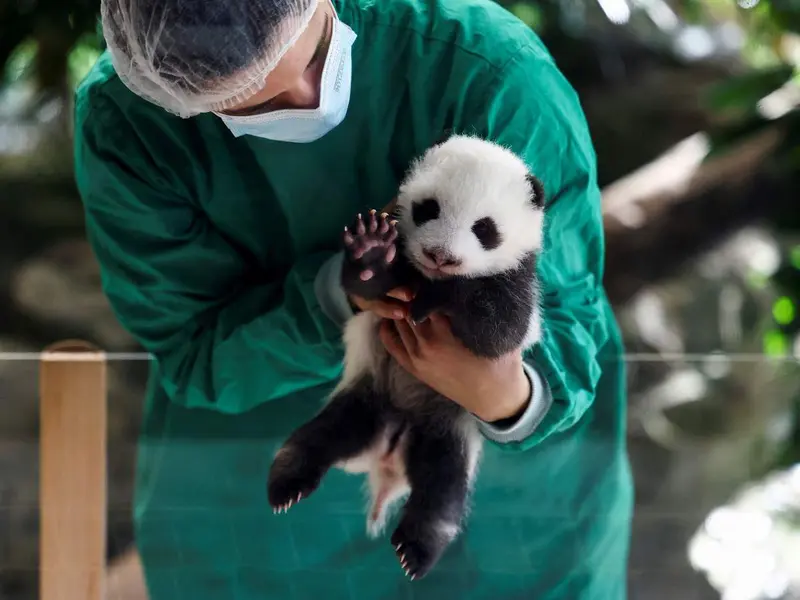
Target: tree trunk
<point>665,214</point>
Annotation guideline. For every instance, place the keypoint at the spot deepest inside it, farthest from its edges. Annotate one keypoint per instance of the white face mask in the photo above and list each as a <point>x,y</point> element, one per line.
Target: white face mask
<point>307,125</point>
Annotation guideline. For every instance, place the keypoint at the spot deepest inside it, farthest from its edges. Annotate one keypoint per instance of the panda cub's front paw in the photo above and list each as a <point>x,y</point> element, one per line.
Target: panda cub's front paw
<point>370,244</point>
<point>369,253</point>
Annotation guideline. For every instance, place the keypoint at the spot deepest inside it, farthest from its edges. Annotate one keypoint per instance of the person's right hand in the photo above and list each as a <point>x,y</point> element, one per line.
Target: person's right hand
<point>395,307</point>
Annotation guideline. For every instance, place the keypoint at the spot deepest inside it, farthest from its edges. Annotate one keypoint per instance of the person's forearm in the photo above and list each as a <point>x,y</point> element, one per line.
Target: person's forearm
<point>263,344</point>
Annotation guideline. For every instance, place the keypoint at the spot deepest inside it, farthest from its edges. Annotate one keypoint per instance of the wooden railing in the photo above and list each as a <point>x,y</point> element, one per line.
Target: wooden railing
<point>72,505</point>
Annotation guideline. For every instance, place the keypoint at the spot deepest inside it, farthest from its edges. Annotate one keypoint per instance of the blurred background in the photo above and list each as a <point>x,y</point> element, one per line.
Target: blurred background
<point>693,105</point>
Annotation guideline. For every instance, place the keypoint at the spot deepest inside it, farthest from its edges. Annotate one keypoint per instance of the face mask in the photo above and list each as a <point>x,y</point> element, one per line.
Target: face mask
<point>307,125</point>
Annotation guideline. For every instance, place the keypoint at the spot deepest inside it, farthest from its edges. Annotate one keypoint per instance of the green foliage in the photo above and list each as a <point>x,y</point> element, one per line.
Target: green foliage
<point>82,57</point>
<point>775,343</point>
<point>35,35</point>
<point>743,93</point>
<point>528,13</point>
<point>786,14</point>
<point>20,62</point>
<point>783,311</point>
<point>795,257</point>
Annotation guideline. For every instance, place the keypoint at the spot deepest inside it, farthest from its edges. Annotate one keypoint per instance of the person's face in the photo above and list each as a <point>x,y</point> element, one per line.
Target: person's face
<point>295,81</point>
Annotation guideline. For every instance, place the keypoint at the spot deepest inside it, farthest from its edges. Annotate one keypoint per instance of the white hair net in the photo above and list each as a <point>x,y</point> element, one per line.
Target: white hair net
<point>195,56</point>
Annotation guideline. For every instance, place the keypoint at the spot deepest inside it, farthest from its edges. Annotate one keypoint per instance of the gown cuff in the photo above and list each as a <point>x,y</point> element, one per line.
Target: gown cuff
<point>329,291</point>
<point>538,405</point>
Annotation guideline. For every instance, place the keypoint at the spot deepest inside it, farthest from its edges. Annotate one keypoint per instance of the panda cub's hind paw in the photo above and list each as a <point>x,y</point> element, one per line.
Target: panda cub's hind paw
<point>292,477</point>
<point>417,547</point>
<point>370,244</point>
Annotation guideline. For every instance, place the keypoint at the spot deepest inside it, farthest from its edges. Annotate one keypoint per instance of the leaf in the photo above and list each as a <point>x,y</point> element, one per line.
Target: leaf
<point>528,13</point>
<point>743,93</point>
<point>786,13</point>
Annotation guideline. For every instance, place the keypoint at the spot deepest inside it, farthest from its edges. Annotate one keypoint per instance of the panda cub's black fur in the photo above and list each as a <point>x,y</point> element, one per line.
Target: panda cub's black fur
<point>469,229</point>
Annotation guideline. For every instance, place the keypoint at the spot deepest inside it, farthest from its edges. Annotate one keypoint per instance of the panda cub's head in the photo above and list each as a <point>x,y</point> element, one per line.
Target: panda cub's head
<point>469,208</point>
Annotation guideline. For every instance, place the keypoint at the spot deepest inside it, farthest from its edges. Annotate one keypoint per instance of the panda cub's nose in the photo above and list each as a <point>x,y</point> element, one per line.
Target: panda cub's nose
<point>441,257</point>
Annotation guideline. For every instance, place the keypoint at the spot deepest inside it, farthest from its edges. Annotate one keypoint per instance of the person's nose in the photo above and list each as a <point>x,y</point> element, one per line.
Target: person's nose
<point>305,94</point>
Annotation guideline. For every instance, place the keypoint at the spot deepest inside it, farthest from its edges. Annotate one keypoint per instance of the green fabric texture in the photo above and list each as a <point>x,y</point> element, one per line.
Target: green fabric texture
<point>209,246</point>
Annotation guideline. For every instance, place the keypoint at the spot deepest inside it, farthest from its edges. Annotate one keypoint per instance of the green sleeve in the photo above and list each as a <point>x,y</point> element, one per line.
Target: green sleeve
<point>224,339</point>
<point>531,109</point>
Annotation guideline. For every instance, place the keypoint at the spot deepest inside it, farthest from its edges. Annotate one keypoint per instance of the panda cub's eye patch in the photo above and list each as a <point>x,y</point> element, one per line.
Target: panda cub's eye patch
<point>485,230</point>
<point>425,211</point>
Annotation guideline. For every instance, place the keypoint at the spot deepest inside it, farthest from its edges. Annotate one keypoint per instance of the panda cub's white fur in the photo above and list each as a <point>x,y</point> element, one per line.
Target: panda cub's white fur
<point>470,178</point>
<point>470,216</point>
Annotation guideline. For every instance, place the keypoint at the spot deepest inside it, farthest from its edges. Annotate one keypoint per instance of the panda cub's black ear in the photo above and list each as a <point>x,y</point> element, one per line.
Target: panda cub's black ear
<point>538,191</point>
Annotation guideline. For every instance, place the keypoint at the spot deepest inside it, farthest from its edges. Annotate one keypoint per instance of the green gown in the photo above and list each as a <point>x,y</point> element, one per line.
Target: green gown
<point>210,246</point>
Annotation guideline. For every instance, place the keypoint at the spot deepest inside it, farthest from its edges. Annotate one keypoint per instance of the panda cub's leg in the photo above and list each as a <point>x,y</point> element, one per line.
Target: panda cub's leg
<point>369,259</point>
<point>438,467</point>
<point>346,427</point>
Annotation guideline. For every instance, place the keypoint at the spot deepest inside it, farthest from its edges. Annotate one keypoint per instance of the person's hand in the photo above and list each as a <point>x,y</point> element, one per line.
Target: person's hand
<point>490,389</point>
<point>395,307</point>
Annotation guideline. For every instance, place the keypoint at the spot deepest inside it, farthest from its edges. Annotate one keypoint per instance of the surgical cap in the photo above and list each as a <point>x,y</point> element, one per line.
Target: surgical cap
<point>194,56</point>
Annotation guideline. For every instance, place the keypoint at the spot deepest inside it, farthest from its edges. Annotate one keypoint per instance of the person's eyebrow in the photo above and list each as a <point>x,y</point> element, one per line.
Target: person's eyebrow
<point>321,44</point>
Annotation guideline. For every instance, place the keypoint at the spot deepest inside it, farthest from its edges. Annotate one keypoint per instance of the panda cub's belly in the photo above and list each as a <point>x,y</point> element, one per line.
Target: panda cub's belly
<point>408,403</point>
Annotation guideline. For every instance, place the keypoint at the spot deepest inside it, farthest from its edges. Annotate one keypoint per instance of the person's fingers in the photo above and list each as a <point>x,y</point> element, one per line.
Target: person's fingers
<point>401,293</point>
<point>407,336</point>
<point>393,344</point>
<point>439,325</point>
<point>387,310</point>
<point>425,336</point>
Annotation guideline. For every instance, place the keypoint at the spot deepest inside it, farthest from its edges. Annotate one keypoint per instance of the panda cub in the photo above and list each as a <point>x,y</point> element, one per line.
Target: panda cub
<point>469,229</point>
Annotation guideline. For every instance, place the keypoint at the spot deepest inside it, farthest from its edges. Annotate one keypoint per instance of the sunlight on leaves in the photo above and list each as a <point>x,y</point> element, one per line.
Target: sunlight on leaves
<point>20,63</point>
<point>775,343</point>
<point>783,311</point>
<point>81,60</point>
<point>795,257</point>
<point>528,14</point>
<point>757,280</point>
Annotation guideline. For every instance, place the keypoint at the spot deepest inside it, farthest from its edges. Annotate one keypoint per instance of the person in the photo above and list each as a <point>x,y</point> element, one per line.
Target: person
<point>220,148</point>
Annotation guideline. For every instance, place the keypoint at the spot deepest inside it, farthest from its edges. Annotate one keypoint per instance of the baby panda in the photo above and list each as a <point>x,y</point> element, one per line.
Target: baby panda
<point>466,239</point>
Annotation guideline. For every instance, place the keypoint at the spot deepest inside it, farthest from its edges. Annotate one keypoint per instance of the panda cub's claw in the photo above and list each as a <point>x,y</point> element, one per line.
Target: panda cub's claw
<point>370,243</point>
<point>417,548</point>
<point>292,477</point>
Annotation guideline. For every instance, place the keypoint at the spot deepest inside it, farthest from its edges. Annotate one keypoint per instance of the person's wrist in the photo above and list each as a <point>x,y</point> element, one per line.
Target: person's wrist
<point>512,402</point>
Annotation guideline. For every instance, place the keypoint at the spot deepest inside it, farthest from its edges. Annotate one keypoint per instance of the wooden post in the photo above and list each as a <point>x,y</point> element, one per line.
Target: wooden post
<point>72,390</point>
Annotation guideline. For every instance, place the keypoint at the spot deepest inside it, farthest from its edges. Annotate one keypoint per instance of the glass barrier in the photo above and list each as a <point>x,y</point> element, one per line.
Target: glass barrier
<point>711,440</point>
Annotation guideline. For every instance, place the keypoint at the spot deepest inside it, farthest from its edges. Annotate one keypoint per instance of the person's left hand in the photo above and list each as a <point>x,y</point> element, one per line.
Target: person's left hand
<point>490,389</point>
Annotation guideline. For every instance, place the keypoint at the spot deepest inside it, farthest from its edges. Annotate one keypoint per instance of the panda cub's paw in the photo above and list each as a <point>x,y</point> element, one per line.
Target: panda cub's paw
<point>369,253</point>
<point>418,546</point>
<point>293,476</point>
